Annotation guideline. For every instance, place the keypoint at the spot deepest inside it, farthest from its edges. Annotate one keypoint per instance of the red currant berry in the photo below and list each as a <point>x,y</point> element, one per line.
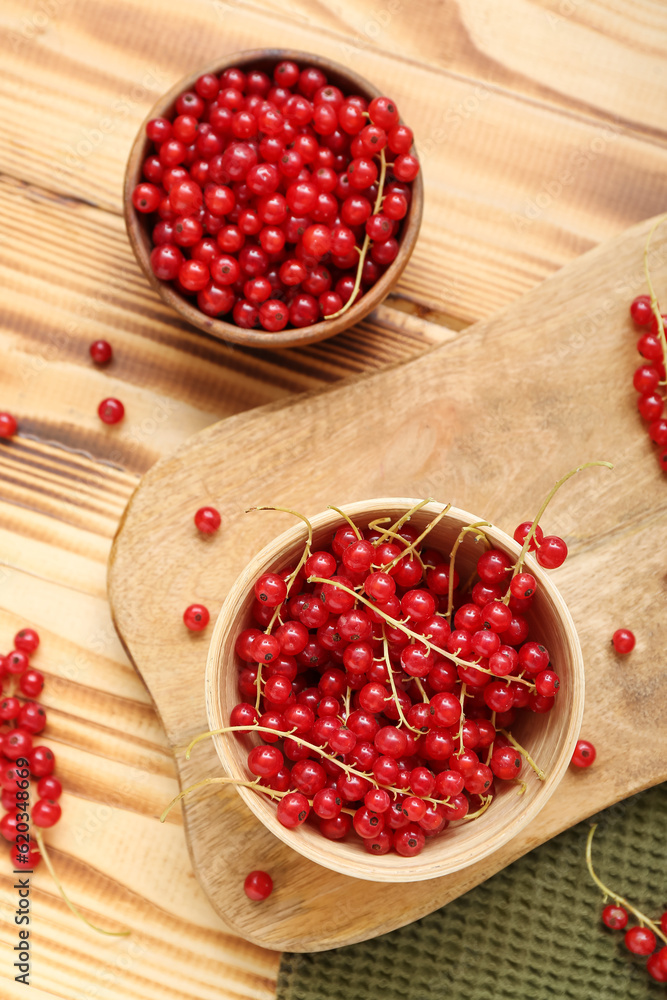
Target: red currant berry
<point>615,917</point>
<point>46,813</point>
<point>146,197</point>
<point>522,530</point>
<point>584,754</point>
<point>17,661</point>
<point>25,857</point>
<point>17,743</point>
<point>523,585</point>
<point>657,966</point>
<point>8,425</point>
<point>49,788</point>
<point>552,552</point>
<point>101,352</point>
<point>640,310</point>
<point>293,810</point>
<point>623,640</point>
<point>207,520</point>
<point>111,411</point>
<point>258,885</point>
<point>196,617</point>
<point>383,112</point>
<point>638,940</point>
<point>32,717</point>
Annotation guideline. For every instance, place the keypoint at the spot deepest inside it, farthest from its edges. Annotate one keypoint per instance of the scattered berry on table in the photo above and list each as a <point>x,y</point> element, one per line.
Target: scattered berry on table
<point>101,352</point>
<point>623,640</point>
<point>111,411</point>
<point>8,425</point>
<point>196,617</point>
<point>207,520</point>
<point>258,885</point>
<point>584,754</point>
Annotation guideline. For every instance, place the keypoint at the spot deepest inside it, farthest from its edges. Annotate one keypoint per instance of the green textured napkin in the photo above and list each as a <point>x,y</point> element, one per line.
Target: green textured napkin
<point>533,931</point>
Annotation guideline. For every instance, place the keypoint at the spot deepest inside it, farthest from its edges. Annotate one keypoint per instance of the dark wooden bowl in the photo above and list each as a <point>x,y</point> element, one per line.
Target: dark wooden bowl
<point>138,227</point>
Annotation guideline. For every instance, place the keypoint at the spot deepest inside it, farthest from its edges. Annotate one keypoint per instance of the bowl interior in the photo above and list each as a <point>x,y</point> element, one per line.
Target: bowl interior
<point>139,227</point>
<point>550,738</point>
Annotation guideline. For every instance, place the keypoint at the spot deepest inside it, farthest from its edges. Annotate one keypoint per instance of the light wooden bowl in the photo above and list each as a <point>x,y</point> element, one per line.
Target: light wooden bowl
<point>550,738</point>
<point>139,228</point>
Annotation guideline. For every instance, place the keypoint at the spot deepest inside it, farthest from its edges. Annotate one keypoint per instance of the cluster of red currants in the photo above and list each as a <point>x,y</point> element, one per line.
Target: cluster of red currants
<point>21,719</point>
<point>649,378</point>
<point>640,939</point>
<point>382,688</point>
<point>269,195</point>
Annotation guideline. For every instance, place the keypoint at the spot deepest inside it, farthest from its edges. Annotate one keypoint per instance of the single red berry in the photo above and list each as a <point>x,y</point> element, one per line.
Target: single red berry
<point>615,917</point>
<point>8,425</point>
<point>17,661</point>
<point>383,112</point>
<point>46,813</point>
<point>584,754</point>
<point>9,709</point>
<point>552,552</point>
<point>623,640</point>
<point>101,352</point>
<point>49,788</point>
<point>27,640</point>
<point>293,810</point>
<point>32,717</point>
<point>657,966</point>
<point>640,310</point>
<point>196,617</point>
<point>207,520</point>
<point>640,940</point>
<point>111,411</point>
<point>146,197</point>
<point>522,530</point>
<point>523,585</point>
<point>258,885</point>
<point>17,743</point>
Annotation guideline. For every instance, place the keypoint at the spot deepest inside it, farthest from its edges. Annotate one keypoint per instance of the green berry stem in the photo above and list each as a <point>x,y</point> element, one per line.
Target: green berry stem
<point>607,892</point>
<point>524,753</point>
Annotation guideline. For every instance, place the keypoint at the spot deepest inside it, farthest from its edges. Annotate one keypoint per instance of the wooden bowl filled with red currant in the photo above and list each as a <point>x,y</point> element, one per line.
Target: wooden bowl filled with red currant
<point>274,198</point>
<point>396,687</point>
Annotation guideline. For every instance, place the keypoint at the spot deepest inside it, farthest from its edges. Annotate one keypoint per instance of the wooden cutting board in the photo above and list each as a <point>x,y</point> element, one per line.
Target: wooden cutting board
<point>487,421</point>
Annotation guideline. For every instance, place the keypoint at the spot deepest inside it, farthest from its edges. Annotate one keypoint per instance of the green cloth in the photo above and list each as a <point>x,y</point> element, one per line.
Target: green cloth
<point>532,932</point>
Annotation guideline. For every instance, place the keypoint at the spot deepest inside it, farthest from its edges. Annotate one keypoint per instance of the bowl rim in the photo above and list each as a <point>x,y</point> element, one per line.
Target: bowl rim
<point>229,332</point>
<point>413,869</point>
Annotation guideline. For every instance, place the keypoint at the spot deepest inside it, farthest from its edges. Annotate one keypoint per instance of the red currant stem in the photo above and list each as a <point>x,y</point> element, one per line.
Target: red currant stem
<point>655,308</point>
<point>518,565</point>
<point>273,793</point>
<point>522,785</point>
<point>390,671</point>
<point>420,688</point>
<point>518,679</point>
<point>348,692</point>
<point>524,753</point>
<point>397,525</point>
<point>452,558</point>
<point>491,744</point>
<point>347,518</point>
<point>401,541</point>
<point>487,802</point>
<point>400,625</point>
<point>290,735</point>
<point>75,910</point>
<point>462,699</point>
<point>619,900</point>
<point>258,696</point>
<point>413,545</point>
<point>367,242</point>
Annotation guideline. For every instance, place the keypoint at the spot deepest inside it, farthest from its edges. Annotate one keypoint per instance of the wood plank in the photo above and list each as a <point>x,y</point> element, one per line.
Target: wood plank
<point>488,422</point>
<point>515,187</point>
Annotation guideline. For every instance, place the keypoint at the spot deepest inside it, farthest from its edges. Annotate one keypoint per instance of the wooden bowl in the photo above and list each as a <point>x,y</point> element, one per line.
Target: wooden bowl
<point>550,738</point>
<point>139,228</point>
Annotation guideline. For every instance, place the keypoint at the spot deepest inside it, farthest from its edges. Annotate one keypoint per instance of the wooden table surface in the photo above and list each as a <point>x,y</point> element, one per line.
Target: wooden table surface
<point>541,127</point>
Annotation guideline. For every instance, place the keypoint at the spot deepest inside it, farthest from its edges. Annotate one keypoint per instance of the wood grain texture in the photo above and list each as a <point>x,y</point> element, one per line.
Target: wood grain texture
<point>516,185</point>
<point>524,383</point>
